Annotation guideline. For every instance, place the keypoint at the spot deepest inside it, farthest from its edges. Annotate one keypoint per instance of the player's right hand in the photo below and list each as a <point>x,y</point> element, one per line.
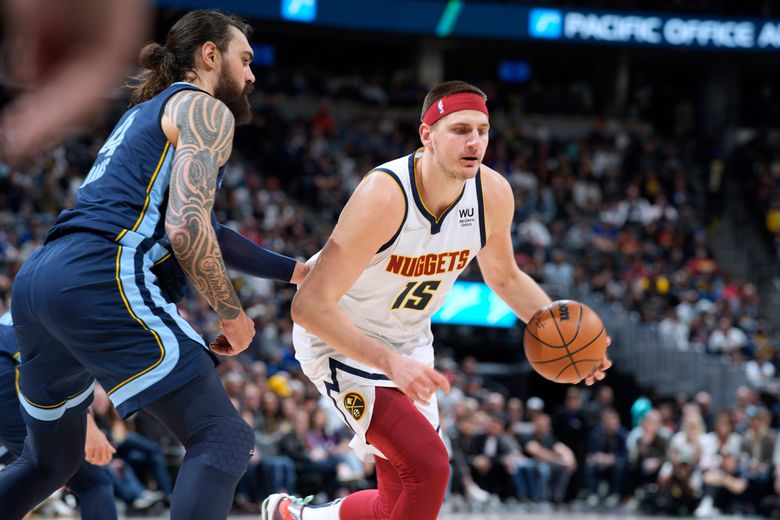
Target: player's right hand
<point>417,380</point>
<point>97,449</point>
<point>238,333</point>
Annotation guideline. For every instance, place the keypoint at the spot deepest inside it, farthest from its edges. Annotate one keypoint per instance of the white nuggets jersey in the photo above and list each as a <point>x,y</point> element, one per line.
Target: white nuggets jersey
<point>407,280</point>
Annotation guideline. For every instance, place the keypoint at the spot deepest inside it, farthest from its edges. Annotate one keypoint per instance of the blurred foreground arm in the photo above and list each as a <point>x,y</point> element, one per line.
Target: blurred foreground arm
<point>68,57</point>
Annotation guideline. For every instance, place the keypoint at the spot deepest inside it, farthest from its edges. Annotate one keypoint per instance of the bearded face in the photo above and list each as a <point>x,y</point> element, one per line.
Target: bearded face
<point>235,97</point>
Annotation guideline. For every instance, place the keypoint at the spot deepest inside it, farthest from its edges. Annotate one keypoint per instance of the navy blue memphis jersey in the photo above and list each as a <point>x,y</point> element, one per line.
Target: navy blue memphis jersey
<point>125,194</point>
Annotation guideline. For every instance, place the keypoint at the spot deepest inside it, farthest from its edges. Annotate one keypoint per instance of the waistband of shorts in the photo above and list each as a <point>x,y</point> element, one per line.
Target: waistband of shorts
<point>127,238</point>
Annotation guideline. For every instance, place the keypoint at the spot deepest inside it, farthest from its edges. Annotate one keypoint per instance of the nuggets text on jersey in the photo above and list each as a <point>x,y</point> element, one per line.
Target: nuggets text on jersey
<point>433,263</point>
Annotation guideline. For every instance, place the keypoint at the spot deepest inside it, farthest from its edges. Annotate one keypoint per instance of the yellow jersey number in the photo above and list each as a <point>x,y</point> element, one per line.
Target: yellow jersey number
<point>416,295</point>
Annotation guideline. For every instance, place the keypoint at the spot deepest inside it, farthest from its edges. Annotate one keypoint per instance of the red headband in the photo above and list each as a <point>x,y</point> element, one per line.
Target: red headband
<point>449,104</point>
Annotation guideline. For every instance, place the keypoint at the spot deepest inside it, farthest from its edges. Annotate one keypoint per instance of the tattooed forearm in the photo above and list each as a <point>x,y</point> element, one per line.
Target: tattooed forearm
<point>205,137</point>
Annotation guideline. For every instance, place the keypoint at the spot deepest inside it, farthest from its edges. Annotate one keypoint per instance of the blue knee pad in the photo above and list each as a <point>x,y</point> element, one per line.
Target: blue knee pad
<point>229,444</point>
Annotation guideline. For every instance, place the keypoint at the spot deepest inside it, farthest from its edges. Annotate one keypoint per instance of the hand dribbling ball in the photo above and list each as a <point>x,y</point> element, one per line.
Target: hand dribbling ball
<point>565,341</point>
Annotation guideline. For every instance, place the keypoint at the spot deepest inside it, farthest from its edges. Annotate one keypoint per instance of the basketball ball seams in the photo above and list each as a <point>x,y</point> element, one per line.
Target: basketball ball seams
<point>528,331</point>
<point>565,343</point>
<point>572,353</point>
<point>564,369</point>
<point>574,365</point>
<point>549,345</point>
<point>558,328</point>
<point>595,366</point>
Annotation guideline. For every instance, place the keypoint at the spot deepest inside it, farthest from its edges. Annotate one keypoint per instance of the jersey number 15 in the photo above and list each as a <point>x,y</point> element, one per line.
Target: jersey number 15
<point>417,299</point>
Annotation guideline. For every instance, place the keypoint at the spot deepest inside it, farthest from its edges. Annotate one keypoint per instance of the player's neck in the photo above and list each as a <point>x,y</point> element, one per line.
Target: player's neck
<point>201,81</point>
<point>437,189</point>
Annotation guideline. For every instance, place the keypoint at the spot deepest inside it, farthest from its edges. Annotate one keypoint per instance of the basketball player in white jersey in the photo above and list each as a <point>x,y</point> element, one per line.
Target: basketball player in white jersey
<point>362,316</point>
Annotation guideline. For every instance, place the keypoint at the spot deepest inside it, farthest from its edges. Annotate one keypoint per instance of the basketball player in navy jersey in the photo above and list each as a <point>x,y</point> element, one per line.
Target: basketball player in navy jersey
<point>362,315</point>
<point>91,482</point>
<point>88,305</point>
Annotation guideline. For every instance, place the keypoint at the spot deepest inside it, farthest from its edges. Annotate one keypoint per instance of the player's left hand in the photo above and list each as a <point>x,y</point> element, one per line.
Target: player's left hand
<point>598,374</point>
<point>97,449</point>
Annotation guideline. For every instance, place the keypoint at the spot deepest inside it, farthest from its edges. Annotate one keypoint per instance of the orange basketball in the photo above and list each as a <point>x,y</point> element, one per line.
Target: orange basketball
<point>565,341</point>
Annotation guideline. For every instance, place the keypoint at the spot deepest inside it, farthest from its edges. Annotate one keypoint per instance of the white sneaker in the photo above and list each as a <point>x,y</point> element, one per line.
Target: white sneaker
<point>706,508</point>
<point>54,506</point>
<point>147,499</point>
<point>476,493</point>
<point>57,507</point>
<point>281,506</point>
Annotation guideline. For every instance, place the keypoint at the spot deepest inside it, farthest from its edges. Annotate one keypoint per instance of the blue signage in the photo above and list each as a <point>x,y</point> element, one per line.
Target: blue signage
<point>666,31</point>
<point>545,23</point>
<point>474,303</point>
<point>464,19</point>
<point>299,10</point>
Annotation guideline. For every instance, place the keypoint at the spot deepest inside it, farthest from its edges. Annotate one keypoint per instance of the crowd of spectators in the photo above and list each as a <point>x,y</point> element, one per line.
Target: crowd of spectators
<point>617,211</point>
<point>620,212</point>
<point>755,168</point>
<point>758,163</point>
<point>675,457</point>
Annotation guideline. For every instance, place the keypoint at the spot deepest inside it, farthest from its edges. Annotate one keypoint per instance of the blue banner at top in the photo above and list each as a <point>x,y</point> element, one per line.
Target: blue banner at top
<point>654,30</point>
<point>507,22</point>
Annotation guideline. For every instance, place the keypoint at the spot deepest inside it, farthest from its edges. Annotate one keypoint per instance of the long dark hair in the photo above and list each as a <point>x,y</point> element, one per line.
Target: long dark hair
<point>169,63</point>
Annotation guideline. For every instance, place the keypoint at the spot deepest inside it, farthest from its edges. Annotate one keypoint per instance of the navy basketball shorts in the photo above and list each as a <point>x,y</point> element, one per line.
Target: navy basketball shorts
<point>85,307</point>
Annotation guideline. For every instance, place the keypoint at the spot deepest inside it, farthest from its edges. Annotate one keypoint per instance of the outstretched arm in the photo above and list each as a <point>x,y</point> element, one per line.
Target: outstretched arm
<point>497,259</point>
<point>245,256</point>
<point>70,55</point>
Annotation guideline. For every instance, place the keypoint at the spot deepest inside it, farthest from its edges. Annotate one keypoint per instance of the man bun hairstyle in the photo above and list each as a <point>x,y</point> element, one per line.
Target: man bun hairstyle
<point>169,63</point>
<point>152,56</point>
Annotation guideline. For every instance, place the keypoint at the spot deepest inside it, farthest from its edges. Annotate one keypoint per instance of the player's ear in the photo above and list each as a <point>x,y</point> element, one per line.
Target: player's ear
<point>425,133</point>
<point>209,53</point>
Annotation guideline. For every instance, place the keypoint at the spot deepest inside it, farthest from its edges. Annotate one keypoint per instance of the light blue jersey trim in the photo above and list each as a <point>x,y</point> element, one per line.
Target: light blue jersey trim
<point>53,414</point>
<point>131,240</point>
<point>6,319</point>
<point>168,307</point>
<point>156,196</point>
<point>168,339</point>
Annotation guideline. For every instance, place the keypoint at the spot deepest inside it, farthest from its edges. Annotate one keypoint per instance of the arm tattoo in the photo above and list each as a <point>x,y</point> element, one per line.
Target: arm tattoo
<point>205,139</point>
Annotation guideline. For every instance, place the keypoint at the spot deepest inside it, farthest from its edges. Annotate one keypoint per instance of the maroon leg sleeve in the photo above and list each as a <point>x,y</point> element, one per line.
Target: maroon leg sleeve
<point>413,480</point>
<point>374,503</point>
